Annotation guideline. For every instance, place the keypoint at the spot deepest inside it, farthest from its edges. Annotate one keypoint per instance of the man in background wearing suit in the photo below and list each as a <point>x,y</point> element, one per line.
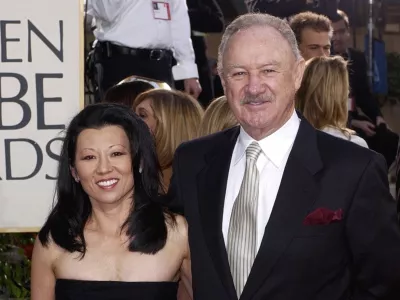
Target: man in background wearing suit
<point>276,209</point>
<point>373,127</point>
<point>357,76</point>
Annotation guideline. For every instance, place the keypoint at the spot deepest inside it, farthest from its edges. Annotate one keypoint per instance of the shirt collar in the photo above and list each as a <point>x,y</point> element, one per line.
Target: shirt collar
<point>274,146</point>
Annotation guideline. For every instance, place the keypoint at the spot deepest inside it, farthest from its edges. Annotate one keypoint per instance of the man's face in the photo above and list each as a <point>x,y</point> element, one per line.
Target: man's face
<point>314,43</point>
<point>260,77</point>
<point>341,37</point>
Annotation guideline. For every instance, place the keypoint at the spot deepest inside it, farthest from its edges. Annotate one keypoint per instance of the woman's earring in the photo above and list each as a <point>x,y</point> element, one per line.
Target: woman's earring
<point>140,169</point>
<point>77,179</point>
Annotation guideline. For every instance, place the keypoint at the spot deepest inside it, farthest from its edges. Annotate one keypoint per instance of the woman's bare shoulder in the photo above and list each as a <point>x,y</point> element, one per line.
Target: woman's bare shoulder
<point>46,252</point>
<point>177,227</point>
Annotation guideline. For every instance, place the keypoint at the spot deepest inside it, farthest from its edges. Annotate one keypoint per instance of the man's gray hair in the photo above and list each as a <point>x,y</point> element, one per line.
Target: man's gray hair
<point>249,20</point>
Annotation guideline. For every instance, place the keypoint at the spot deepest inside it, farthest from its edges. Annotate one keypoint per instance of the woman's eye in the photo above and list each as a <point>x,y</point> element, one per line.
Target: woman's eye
<point>117,154</point>
<point>88,157</point>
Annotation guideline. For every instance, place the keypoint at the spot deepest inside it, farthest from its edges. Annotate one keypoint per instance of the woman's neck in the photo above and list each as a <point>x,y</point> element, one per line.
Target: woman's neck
<point>109,218</point>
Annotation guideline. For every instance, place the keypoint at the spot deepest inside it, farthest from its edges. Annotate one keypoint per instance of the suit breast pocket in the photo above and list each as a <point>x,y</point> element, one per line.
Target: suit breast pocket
<point>320,231</point>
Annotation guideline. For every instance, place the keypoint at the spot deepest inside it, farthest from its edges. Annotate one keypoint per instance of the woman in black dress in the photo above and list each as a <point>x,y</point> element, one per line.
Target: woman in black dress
<point>106,238</point>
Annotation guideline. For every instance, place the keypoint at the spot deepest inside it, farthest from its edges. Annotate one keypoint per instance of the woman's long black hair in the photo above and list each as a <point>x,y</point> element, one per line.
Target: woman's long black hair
<point>146,225</point>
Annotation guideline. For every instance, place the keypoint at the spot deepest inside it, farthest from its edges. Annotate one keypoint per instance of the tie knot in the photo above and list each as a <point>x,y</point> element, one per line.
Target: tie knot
<point>253,151</point>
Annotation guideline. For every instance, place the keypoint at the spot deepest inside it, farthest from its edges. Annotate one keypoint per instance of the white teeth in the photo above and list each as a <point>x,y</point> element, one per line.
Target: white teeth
<point>107,182</point>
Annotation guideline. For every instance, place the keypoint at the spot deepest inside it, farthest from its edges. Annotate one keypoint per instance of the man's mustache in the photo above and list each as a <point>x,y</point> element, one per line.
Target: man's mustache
<point>256,99</point>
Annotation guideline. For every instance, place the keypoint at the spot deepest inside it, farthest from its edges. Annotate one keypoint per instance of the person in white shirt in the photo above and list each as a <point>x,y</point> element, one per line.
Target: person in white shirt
<point>323,97</point>
<point>138,37</point>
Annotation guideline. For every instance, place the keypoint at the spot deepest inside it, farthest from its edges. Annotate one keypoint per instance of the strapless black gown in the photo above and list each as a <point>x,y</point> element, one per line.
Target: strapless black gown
<point>114,290</point>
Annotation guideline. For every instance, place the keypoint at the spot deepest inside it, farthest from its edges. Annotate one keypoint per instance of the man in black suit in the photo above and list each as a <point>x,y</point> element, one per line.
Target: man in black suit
<point>358,68</point>
<point>276,209</point>
<point>372,127</point>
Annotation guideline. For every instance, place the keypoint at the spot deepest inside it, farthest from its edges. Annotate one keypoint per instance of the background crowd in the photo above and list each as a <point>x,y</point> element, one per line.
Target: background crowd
<point>153,62</point>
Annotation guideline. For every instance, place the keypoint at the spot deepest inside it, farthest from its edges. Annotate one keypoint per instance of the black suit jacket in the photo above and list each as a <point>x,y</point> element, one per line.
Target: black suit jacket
<point>357,256</point>
<point>287,8</point>
<point>398,178</point>
<point>205,16</point>
<point>359,85</point>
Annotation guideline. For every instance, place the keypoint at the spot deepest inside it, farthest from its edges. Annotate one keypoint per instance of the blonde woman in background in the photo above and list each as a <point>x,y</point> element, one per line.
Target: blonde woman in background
<point>218,116</point>
<point>323,97</point>
<point>173,117</point>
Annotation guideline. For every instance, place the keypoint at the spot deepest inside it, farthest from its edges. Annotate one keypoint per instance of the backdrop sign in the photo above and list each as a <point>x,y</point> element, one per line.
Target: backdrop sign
<point>41,89</point>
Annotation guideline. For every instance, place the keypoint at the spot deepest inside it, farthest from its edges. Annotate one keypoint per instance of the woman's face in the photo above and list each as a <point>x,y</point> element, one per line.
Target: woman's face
<point>146,112</point>
<point>103,165</point>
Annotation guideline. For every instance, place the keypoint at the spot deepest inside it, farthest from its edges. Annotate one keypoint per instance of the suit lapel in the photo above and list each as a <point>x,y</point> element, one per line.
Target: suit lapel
<point>296,194</point>
<point>212,182</point>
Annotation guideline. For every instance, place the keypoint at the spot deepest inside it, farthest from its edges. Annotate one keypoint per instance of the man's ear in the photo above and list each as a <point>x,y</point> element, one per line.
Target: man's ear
<point>298,73</point>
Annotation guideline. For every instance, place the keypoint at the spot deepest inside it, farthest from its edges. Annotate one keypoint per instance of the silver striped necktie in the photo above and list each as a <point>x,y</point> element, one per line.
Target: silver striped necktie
<point>242,233</point>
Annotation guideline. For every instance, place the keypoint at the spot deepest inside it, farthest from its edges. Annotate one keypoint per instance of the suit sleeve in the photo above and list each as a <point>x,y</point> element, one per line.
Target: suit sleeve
<point>373,236</point>
<point>205,16</point>
<point>362,94</point>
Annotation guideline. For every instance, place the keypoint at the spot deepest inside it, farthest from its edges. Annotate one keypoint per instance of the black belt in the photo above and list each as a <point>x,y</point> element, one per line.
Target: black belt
<point>111,49</point>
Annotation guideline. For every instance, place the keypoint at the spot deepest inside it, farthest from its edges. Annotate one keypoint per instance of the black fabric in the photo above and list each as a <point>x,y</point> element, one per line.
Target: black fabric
<point>113,290</point>
<point>218,88</point>
<point>287,8</point>
<point>206,17</point>
<point>355,258</point>
<point>359,85</point>
<point>384,141</point>
<point>117,66</point>
<point>205,79</point>
<point>398,178</point>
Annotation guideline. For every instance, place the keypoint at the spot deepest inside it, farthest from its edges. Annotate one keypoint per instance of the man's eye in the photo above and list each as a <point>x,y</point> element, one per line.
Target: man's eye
<point>238,74</point>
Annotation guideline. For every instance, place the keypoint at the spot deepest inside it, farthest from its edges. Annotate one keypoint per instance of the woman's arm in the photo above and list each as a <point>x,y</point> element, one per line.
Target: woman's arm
<point>186,267</point>
<point>42,275</point>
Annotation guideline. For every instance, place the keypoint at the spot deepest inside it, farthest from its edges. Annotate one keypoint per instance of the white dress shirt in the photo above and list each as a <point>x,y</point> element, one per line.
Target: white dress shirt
<point>131,23</point>
<point>270,164</point>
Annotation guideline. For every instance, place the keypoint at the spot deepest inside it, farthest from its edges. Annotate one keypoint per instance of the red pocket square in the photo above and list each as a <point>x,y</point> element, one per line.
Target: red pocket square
<point>323,216</point>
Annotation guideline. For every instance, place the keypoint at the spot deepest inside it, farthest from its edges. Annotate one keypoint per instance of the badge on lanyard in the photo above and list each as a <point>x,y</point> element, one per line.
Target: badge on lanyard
<point>161,10</point>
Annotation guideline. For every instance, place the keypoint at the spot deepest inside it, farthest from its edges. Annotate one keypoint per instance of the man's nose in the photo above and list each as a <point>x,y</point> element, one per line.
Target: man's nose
<point>321,52</point>
<point>255,84</point>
